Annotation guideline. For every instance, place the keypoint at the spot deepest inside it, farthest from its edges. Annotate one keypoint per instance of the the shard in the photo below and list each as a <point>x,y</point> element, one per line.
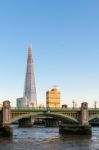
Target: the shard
<point>30,87</point>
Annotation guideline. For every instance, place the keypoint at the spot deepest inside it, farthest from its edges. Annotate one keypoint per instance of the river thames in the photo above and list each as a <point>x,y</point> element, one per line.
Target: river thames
<point>48,139</point>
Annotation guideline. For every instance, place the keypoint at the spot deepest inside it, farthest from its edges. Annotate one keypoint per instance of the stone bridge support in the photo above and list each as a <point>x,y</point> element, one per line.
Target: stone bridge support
<point>84,114</point>
<point>51,122</point>
<point>5,129</point>
<point>6,113</point>
<point>83,128</point>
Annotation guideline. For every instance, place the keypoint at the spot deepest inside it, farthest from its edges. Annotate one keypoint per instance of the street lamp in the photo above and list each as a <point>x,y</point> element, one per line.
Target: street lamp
<point>73,104</point>
<point>95,104</point>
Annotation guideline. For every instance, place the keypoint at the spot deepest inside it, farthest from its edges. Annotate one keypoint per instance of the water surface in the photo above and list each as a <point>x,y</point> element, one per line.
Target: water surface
<point>48,139</point>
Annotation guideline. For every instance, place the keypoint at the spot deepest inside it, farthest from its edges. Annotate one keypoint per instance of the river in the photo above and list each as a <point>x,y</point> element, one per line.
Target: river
<point>48,139</point>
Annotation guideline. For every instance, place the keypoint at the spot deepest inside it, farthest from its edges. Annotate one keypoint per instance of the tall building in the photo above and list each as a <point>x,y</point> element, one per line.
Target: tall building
<point>30,87</point>
<point>53,98</point>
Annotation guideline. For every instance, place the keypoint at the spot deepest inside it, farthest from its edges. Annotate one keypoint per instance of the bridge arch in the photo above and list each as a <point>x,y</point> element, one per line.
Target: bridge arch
<point>58,116</point>
<point>93,117</point>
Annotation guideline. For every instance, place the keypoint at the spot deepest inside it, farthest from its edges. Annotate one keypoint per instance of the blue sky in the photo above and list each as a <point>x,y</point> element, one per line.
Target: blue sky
<point>65,40</point>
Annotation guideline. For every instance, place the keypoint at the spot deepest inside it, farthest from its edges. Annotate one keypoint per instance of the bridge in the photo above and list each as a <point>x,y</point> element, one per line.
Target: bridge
<point>80,116</point>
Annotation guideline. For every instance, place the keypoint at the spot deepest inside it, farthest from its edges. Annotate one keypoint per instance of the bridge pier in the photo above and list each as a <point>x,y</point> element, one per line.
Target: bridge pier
<point>25,122</point>
<point>84,114</point>
<point>5,129</point>
<point>51,122</point>
<point>6,113</point>
<point>83,128</point>
<point>75,129</point>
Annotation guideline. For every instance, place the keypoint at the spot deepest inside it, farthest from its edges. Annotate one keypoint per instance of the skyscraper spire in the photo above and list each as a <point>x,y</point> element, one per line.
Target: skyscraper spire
<point>30,88</point>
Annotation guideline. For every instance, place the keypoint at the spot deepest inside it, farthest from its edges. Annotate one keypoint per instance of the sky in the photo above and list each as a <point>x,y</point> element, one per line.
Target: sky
<point>65,39</point>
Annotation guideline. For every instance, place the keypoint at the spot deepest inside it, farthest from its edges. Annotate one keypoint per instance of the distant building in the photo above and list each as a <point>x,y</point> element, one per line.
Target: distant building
<point>53,98</point>
<point>22,102</point>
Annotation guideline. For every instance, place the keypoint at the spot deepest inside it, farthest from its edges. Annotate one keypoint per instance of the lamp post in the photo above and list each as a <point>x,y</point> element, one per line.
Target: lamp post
<point>95,104</point>
<point>73,104</point>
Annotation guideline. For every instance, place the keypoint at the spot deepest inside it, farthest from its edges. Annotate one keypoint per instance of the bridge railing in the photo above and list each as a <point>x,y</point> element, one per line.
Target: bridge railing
<point>43,109</point>
<point>49,109</point>
<point>93,109</point>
